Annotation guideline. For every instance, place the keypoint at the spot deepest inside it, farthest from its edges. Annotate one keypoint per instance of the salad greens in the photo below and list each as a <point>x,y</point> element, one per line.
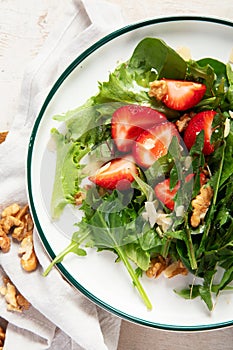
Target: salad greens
<point>120,221</point>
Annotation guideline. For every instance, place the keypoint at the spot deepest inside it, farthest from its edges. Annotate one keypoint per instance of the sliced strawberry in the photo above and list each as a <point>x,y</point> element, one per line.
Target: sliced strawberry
<point>129,121</point>
<point>203,179</point>
<point>153,143</point>
<point>164,194</point>
<point>115,174</point>
<point>181,95</point>
<point>201,121</point>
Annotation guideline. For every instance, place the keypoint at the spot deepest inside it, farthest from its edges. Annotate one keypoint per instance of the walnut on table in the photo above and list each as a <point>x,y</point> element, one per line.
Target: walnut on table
<point>2,337</point>
<point>28,256</point>
<point>3,136</point>
<point>15,301</point>
<point>6,223</point>
<point>12,209</point>
<point>17,221</point>
<point>5,242</point>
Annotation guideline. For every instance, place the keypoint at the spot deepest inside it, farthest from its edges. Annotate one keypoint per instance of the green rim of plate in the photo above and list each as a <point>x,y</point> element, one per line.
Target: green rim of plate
<point>42,234</point>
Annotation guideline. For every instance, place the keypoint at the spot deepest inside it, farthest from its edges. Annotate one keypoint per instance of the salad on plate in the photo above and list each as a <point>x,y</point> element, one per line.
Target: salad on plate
<point>148,161</point>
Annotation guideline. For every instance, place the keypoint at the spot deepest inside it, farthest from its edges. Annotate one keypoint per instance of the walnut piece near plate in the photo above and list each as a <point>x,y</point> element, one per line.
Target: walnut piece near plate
<point>2,337</point>
<point>17,222</point>
<point>15,301</point>
<point>3,136</point>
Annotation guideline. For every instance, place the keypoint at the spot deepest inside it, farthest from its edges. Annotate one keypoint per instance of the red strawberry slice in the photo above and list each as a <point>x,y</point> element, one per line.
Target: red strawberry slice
<point>182,95</point>
<point>115,174</point>
<point>201,121</point>
<point>129,121</point>
<point>166,196</point>
<point>153,143</point>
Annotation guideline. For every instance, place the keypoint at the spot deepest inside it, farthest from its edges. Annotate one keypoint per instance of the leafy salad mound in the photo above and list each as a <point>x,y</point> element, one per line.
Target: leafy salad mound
<point>135,222</point>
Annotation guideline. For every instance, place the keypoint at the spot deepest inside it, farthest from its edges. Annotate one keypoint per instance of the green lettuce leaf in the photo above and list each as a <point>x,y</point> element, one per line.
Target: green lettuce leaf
<point>65,184</point>
<point>154,59</point>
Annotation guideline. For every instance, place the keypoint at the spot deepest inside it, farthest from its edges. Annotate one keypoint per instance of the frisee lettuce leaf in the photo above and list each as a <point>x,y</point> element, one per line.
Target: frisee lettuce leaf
<point>65,187</point>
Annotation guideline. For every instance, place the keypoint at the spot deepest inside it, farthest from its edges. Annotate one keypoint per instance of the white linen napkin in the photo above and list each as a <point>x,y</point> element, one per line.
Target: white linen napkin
<point>59,314</point>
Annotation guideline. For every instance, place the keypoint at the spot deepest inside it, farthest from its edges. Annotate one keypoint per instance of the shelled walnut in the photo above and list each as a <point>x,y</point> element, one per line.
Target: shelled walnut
<point>28,256</point>
<point>15,301</point>
<point>159,265</point>
<point>158,89</point>
<point>182,123</point>
<point>200,205</point>
<point>79,197</point>
<point>17,222</point>
<point>174,269</point>
<point>5,241</point>
<point>3,136</point>
<point>2,337</point>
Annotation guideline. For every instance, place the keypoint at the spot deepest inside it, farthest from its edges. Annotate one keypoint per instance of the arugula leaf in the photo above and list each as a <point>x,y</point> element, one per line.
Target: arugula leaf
<point>139,256</point>
<point>113,226</point>
<point>189,293</point>
<point>73,247</point>
<point>195,291</point>
<point>150,241</point>
<point>227,170</point>
<point>160,168</point>
<point>146,189</point>
<point>225,280</point>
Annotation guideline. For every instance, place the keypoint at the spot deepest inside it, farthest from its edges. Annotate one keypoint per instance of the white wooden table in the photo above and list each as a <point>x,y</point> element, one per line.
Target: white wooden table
<point>24,26</point>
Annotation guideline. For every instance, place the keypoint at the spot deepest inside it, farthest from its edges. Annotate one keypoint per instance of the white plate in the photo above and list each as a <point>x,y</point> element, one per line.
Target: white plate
<point>96,275</point>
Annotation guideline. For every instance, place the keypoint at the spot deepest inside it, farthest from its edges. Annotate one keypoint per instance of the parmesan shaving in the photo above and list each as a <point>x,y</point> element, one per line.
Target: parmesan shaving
<point>231,56</point>
<point>184,52</point>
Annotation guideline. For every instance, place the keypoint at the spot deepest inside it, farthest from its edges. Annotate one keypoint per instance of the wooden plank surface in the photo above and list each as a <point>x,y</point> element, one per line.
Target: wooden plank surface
<point>25,24</point>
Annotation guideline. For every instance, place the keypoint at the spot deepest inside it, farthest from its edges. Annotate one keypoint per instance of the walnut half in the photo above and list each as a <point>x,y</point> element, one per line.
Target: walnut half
<point>158,89</point>
<point>157,266</point>
<point>2,337</point>
<point>201,204</point>
<point>17,221</point>
<point>3,136</point>
<point>170,269</point>
<point>28,257</point>
<point>15,301</point>
<point>182,123</point>
<point>176,268</point>
<point>5,241</point>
